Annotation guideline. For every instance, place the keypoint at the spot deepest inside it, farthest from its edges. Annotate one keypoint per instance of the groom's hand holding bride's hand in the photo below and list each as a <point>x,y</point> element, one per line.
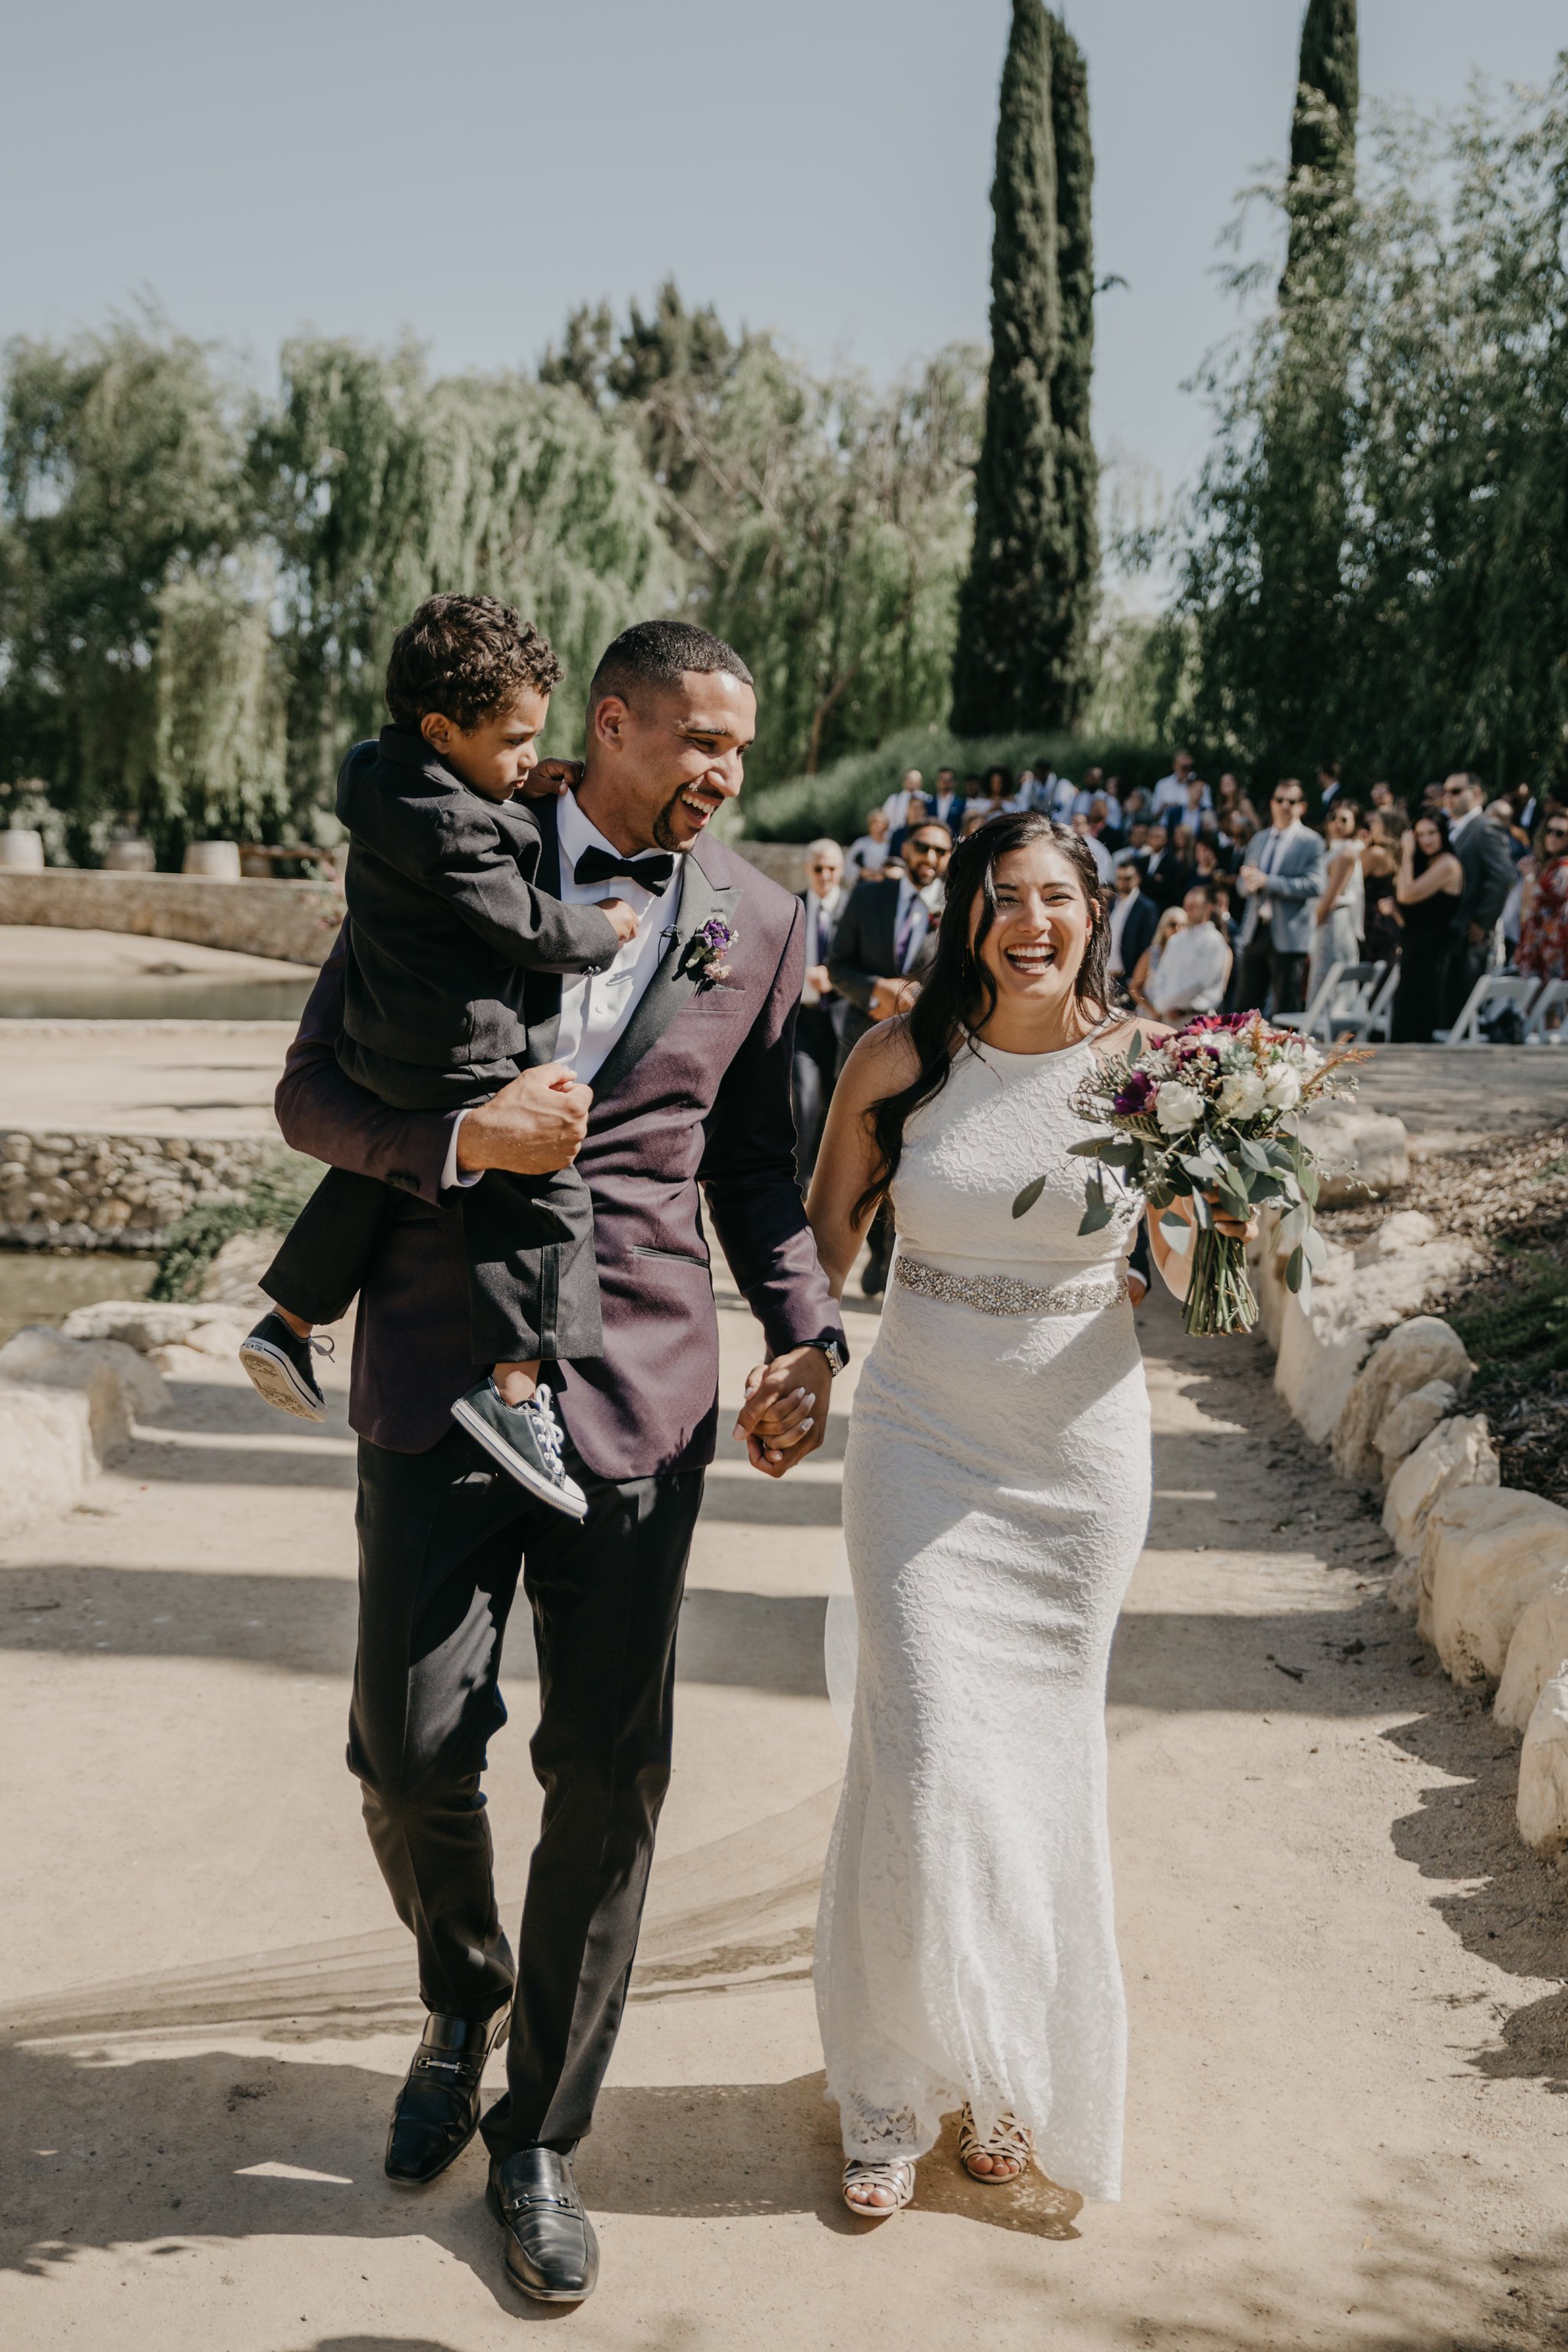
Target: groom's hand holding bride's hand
<point>785,1417</point>
<point>533,1126</point>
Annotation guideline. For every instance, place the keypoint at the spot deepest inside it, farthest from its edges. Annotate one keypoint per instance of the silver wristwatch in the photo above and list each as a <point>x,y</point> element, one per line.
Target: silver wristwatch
<point>833,1350</point>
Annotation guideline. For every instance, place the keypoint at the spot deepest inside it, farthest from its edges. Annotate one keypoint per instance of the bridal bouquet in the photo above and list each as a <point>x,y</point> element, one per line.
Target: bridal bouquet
<point>1208,1115</point>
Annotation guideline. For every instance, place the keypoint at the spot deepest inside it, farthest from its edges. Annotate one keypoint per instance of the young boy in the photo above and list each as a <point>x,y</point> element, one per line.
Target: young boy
<point>446,922</point>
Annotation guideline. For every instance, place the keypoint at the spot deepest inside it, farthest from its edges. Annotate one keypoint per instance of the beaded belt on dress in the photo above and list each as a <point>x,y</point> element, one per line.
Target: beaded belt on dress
<point>999,1293</point>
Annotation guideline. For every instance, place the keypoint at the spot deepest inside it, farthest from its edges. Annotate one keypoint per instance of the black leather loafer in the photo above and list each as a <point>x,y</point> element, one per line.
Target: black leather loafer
<point>438,2109</point>
<point>552,2252</point>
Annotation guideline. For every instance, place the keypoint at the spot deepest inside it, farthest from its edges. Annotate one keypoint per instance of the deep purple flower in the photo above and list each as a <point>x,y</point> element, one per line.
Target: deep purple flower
<point>717,933</point>
<point>1136,1096</point>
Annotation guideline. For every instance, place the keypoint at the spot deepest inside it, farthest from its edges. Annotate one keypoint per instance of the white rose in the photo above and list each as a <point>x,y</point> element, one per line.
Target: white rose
<point>1282,1090</point>
<point>1177,1106</point>
<point>1242,1096</point>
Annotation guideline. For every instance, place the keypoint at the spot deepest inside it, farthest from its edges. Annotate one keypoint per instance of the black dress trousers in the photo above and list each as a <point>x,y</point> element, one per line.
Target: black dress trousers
<point>444,1536</point>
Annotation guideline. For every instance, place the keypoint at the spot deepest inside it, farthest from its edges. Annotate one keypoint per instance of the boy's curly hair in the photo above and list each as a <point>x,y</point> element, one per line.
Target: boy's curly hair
<point>468,657</point>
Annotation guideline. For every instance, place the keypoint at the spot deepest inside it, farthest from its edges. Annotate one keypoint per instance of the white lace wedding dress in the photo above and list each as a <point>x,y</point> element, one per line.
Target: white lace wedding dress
<point>996,1498</point>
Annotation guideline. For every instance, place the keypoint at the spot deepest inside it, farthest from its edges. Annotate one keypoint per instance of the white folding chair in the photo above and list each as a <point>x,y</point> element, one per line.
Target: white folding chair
<point>1553,998</point>
<point>1380,1014</point>
<point>1493,993</point>
<point>1306,1021</point>
<point>1351,995</point>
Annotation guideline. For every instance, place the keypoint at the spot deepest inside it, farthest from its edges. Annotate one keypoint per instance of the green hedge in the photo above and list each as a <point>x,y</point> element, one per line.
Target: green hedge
<point>275,1197</point>
<point>836,801</point>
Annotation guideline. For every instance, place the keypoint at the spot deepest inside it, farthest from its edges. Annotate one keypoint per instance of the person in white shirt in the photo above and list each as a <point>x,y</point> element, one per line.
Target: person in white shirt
<point>896,807</point>
<point>1170,799</point>
<point>1096,848</point>
<point>868,856</point>
<point>1194,972</point>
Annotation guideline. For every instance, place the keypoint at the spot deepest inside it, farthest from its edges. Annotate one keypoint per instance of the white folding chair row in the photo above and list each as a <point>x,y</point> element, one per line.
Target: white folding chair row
<point>1494,992</point>
<point>1342,1005</point>
<point>1539,1029</point>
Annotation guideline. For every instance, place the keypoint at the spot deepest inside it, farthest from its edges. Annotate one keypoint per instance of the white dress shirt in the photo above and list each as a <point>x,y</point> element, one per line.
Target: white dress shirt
<point>821,920</point>
<point>1171,793</point>
<point>595,1007</point>
<point>1122,906</point>
<point>1193,971</point>
<point>917,908</point>
<point>1100,854</point>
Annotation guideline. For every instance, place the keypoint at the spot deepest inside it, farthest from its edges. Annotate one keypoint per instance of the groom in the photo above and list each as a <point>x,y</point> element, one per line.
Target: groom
<point>688,1048</point>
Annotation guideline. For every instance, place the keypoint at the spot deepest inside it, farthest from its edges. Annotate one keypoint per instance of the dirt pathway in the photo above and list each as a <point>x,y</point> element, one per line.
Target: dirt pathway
<point>1345,1975</point>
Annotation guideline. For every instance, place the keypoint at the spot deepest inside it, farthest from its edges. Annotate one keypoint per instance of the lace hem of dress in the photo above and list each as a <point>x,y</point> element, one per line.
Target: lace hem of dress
<point>1000,1294</point>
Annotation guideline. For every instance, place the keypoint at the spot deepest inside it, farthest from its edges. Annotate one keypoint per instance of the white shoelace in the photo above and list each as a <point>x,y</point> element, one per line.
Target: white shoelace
<point>546,1425</point>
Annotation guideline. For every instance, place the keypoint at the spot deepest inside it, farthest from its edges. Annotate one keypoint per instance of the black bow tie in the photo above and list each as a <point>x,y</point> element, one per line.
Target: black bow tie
<point>649,873</point>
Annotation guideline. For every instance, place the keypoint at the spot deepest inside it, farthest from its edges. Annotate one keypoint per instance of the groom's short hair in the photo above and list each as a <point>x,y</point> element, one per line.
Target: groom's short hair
<point>659,653</point>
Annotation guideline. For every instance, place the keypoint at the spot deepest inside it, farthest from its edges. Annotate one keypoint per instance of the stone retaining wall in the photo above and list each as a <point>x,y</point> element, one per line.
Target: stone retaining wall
<point>61,1190</point>
<point>296,921</point>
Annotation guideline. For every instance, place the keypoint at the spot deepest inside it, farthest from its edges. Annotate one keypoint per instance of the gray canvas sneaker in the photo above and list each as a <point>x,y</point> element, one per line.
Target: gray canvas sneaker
<point>525,1439</point>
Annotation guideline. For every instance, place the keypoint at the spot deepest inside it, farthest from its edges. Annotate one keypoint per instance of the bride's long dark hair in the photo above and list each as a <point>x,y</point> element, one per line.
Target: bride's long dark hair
<point>958,994</point>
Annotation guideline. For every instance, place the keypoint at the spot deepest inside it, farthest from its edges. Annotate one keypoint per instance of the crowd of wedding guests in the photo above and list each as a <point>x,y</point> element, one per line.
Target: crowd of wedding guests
<point>1214,905</point>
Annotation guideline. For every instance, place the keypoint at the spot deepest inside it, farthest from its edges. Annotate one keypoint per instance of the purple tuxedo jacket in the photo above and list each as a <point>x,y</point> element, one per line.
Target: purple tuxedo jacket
<point>695,1093</point>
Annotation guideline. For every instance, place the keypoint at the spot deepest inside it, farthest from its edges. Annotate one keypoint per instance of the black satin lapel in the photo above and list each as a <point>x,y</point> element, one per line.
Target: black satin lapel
<point>671,985</point>
<point>543,991</point>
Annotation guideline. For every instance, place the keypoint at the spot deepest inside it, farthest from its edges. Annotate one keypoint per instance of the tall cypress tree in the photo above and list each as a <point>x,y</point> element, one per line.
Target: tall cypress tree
<point>1300,510</point>
<point>1078,467</point>
<point>1025,608</point>
<point>1321,187</point>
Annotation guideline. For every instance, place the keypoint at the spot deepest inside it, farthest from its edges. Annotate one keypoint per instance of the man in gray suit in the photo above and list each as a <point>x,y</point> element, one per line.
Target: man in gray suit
<point>1487,862</point>
<point>1284,872</point>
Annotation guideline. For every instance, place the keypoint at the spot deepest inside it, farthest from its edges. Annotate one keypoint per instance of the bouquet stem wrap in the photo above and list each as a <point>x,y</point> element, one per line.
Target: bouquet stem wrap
<point>1219,1303</point>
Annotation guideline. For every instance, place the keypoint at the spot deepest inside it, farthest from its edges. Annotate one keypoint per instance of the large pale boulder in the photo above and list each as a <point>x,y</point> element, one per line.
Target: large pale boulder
<point>1537,1650</point>
<point>1459,1515</point>
<point>234,1273</point>
<point>1544,1771</point>
<point>1425,1348</point>
<point>45,1452</point>
<point>1484,1577</point>
<point>66,1407</point>
<point>119,1385</point>
<point>1363,1153</point>
<point>140,1323</point>
<point>1458,1452</point>
<point>1411,1422</point>
<point>1321,1348</point>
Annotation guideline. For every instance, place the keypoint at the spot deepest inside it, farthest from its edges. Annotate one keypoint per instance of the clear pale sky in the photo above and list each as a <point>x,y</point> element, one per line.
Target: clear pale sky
<point>821,168</point>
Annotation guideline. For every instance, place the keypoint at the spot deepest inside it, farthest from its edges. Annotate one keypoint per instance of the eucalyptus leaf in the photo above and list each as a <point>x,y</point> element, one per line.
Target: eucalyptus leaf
<point>1255,1156</point>
<point>1091,1147</point>
<point>1028,1196</point>
<point>1096,1215</point>
<point>1203,1214</point>
<point>1295,1268</point>
<point>1178,1232</point>
<point>1315,1249</point>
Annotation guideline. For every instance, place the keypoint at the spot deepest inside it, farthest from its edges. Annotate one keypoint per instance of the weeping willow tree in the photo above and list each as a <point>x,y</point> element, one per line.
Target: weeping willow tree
<point>1445,357</point>
<point>823,523</point>
<point>383,487</point>
<point>121,474</point>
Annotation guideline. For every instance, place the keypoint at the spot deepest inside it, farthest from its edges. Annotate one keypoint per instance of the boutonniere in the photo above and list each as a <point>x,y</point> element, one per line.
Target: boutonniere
<point>706,950</point>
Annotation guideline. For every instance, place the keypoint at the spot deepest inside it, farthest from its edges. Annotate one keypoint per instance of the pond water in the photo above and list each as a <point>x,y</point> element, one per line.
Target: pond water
<point>151,995</point>
<point>43,1285</point>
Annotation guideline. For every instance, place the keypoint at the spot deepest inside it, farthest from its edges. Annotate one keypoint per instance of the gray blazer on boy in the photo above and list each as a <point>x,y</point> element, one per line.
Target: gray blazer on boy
<point>1297,867</point>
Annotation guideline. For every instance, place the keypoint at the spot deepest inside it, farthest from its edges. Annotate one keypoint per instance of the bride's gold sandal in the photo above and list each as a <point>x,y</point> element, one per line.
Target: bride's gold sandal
<point>895,2173</point>
<point>1011,2143</point>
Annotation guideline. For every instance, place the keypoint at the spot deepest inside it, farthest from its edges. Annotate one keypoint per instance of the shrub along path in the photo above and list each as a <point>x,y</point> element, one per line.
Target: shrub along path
<point>1344,1973</point>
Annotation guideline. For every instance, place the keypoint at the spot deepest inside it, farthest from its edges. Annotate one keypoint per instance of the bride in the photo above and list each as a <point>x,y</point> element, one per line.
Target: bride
<point>996,1498</point>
